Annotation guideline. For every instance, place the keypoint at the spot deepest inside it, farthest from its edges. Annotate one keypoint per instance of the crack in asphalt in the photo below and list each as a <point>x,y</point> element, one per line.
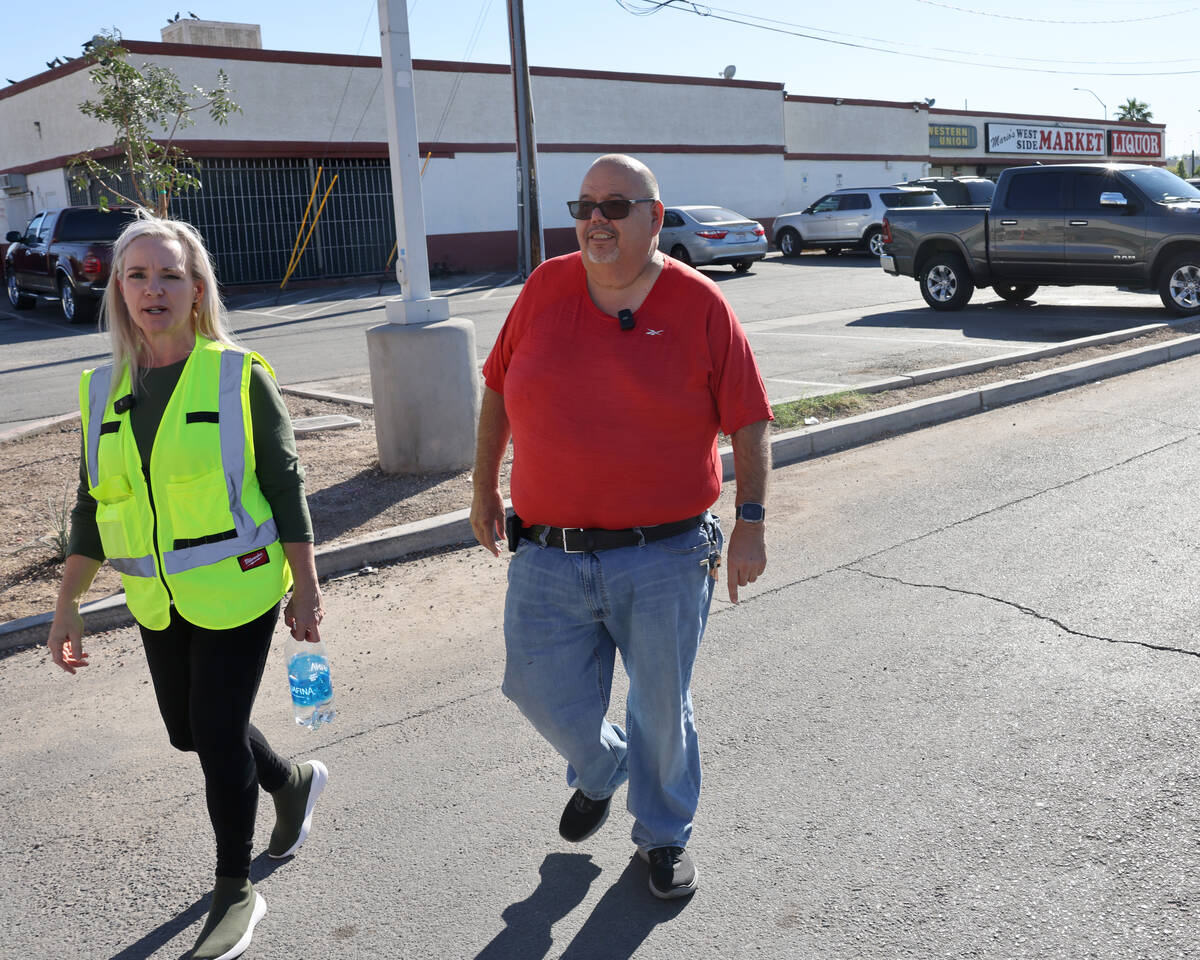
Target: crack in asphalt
<point>1028,611</point>
<point>851,564</point>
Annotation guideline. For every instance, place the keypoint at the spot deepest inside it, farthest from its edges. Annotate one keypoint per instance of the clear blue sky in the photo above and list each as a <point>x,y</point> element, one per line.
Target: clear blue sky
<point>957,51</point>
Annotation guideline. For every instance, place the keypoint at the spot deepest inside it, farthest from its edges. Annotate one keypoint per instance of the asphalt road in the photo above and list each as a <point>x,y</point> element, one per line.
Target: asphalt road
<point>956,718</point>
<point>817,324</point>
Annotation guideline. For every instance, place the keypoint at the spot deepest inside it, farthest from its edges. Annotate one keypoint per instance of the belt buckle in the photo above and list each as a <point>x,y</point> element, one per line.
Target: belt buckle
<point>565,531</point>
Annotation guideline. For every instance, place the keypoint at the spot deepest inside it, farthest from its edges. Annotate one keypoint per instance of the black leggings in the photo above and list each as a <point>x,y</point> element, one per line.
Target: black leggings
<point>206,682</point>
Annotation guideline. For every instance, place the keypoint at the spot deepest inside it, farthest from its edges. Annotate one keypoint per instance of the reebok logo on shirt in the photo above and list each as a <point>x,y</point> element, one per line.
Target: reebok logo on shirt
<point>248,561</point>
<point>654,333</point>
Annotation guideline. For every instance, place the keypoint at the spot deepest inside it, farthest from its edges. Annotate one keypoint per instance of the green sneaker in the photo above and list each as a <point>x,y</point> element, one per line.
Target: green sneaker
<point>236,908</point>
<point>294,807</point>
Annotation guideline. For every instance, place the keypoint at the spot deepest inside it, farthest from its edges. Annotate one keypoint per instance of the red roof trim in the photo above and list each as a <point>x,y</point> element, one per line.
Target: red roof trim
<point>1108,124</point>
<point>858,156</point>
<point>854,102</point>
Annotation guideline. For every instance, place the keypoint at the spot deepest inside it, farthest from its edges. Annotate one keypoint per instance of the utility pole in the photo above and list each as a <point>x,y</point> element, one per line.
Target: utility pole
<point>423,380</point>
<point>529,221</point>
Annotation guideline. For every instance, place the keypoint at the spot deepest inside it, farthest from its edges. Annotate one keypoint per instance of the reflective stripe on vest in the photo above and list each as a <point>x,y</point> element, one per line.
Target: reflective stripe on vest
<point>98,389</point>
<point>232,430</point>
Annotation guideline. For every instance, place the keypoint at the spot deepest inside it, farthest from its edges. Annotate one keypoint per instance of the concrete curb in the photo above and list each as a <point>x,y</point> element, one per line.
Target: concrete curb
<point>452,529</point>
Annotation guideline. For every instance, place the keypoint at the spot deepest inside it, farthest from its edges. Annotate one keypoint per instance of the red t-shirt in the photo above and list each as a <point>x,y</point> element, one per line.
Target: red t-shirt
<point>618,428</point>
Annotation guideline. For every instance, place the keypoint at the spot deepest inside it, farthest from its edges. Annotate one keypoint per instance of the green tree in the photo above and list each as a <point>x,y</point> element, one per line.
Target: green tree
<point>1134,109</point>
<point>1181,168</point>
<point>140,103</point>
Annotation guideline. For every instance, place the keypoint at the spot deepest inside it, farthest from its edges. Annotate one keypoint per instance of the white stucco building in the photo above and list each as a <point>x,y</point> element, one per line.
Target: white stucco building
<point>746,145</point>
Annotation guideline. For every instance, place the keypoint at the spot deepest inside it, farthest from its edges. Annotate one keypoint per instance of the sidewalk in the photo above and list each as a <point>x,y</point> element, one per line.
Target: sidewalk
<point>946,723</point>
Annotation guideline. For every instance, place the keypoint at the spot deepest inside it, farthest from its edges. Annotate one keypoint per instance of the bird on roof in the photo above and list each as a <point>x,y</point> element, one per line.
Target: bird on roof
<point>51,64</point>
<point>193,16</point>
<point>10,80</point>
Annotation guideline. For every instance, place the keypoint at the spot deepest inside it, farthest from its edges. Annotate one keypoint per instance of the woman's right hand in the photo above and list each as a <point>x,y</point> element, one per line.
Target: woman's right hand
<point>66,636</point>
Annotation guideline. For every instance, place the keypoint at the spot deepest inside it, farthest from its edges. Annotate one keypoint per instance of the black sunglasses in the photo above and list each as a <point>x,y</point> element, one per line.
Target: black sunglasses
<point>612,209</point>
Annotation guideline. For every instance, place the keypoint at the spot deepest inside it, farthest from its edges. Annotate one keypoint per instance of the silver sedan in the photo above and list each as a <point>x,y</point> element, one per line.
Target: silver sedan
<point>700,235</point>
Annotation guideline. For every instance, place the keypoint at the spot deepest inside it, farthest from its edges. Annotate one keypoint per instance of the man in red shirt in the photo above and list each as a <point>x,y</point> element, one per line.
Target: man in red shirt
<point>613,374</point>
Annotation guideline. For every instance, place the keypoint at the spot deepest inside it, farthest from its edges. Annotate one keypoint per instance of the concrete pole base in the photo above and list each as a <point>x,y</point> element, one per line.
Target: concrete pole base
<point>426,391</point>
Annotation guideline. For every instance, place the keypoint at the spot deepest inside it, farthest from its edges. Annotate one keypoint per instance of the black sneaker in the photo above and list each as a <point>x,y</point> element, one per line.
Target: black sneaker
<point>582,817</point>
<point>672,873</point>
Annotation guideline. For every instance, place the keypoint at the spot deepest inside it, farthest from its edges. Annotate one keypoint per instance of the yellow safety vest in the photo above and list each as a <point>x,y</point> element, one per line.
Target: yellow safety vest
<point>201,535</point>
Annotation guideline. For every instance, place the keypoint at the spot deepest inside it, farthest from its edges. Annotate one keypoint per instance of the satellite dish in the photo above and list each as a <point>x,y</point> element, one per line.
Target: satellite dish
<point>729,71</point>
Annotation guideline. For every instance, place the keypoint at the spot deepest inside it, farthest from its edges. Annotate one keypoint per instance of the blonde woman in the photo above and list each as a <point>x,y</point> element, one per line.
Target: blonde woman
<point>190,486</point>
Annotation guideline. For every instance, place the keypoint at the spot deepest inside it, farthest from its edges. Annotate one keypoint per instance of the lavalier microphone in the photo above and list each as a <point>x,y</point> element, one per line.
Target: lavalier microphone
<point>127,402</point>
<point>626,318</point>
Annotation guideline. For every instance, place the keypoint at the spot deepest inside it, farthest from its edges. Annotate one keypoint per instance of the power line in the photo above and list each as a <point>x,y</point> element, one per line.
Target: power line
<point>1008,16</point>
<point>964,53</point>
<point>702,10</point>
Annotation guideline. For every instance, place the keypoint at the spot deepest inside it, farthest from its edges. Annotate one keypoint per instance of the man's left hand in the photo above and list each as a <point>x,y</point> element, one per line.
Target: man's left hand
<point>747,557</point>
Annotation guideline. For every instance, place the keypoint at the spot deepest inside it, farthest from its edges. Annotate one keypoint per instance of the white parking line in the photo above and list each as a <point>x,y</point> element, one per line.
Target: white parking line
<point>501,286</point>
<point>49,325</point>
<point>813,383</point>
<point>990,345</point>
<point>465,286</point>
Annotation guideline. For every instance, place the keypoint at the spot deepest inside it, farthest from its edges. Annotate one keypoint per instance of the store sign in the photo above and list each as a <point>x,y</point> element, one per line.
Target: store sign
<point>1141,143</point>
<point>953,136</point>
<point>1011,138</point>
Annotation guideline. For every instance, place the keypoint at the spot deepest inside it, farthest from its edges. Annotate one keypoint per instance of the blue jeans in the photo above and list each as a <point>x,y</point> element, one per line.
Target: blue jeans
<point>565,617</point>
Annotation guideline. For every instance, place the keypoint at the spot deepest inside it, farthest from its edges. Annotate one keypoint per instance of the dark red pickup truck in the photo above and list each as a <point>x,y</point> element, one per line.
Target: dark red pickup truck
<point>64,254</point>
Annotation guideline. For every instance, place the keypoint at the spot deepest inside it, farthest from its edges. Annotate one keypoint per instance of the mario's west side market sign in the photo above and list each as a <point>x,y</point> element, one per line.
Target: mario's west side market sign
<point>1081,141</point>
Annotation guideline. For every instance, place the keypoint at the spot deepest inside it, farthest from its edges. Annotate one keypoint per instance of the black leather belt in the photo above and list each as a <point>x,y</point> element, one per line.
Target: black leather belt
<point>580,540</point>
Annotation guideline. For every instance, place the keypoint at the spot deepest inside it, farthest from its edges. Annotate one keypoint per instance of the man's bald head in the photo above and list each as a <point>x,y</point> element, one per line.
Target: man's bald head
<point>633,168</point>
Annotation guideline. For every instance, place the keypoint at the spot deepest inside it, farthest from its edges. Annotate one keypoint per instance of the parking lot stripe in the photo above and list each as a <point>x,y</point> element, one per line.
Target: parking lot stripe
<point>811,383</point>
<point>990,345</point>
<point>501,286</point>
<point>466,286</point>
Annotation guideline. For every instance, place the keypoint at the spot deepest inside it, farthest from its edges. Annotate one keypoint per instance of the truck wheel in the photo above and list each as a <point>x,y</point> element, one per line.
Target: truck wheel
<point>75,309</point>
<point>789,242</point>
<point>945,282</point>
<point>1014,292</point>
<point>19,300</point>
<point>1179,285</point>
<point>873,242</point>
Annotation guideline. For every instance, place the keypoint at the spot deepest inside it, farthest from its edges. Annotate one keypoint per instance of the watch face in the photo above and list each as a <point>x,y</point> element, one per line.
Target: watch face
<point>751,512</point>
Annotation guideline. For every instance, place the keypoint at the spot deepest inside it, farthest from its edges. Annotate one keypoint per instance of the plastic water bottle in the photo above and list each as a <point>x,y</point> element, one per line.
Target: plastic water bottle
<point>308,677</point>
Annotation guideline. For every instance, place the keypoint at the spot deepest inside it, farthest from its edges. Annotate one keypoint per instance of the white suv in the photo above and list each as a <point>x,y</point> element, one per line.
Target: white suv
<point>850,218</point>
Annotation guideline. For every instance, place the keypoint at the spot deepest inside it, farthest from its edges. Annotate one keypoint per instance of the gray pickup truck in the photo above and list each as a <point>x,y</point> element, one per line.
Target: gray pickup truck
<point>1098,224</point>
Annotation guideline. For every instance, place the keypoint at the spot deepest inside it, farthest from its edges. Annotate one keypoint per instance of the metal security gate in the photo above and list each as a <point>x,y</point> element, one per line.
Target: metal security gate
<point>249,213</point>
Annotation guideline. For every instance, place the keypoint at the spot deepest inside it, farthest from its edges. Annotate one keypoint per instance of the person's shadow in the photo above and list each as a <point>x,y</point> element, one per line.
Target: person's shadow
<point>261,868</point>
<point>620,923</point>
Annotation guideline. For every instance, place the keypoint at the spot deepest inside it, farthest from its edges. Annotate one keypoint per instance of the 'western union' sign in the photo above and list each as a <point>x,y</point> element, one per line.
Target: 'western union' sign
<point>953,136</point>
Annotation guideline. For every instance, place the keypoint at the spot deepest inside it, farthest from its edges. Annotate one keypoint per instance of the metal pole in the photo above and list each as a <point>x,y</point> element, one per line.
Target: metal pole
<point>529,223</point>
<point>424,382</point>
<point>412,257</point>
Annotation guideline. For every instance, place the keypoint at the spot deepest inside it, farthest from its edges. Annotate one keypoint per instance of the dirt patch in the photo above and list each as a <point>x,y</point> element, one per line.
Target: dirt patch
<point>348,495</point>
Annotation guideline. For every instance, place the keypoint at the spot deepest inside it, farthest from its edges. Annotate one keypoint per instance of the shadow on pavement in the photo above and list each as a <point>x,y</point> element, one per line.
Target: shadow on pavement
<point>623,919</point>
<point>526,934</point>
<point>261,868</point>
<point>1029,321</point>
<point>621,922</point>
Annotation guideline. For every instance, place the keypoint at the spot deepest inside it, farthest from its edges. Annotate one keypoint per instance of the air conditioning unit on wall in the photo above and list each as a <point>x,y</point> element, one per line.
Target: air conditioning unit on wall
<point>12,182</point>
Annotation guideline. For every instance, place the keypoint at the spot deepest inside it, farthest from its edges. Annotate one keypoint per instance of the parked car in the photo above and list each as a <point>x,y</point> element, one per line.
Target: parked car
<point>1124,225</point>
<point>64,254</point>
<point>701,235</point>
<point>957,191</point>
<point>1194,181</point>
<point>851,218</point>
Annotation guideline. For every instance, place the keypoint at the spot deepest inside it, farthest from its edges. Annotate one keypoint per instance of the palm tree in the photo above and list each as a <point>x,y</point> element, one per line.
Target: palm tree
<point>1134,109</point>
